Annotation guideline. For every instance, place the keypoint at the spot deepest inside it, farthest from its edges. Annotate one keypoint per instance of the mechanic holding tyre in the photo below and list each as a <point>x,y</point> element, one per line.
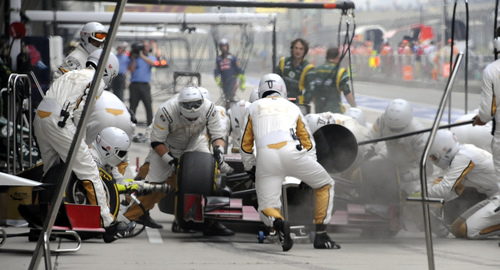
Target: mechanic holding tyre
<point>284,147</point>
<point>181,125</point>
<point>55,126</point>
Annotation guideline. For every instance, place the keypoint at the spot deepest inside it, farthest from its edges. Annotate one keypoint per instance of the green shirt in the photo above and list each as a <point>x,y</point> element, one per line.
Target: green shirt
<point>294,76</point>
<point>324,86</point>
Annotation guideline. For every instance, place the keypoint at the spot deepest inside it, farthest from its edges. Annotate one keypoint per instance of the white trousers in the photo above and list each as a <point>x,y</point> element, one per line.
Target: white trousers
<point>482,220</point>
<point>54,143</point>
<point>159,171</point>
<point>495,147</point>
<point>272,167</point>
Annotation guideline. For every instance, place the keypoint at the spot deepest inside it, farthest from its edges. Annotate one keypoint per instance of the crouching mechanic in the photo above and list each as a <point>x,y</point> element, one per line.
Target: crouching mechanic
<point>284,147</point>
<point>109,150</point>
<point>404,153</point>
<point>181,125</point>
<point>466,165</point>
<point>54,127</point>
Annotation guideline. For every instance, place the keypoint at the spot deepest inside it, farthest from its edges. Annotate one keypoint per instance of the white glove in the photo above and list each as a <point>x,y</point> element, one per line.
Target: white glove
<point>167,158</point>
<point>225,168</point>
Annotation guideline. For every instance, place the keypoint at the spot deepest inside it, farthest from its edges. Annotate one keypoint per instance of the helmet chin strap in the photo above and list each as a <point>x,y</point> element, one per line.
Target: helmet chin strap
<point>189,119</point>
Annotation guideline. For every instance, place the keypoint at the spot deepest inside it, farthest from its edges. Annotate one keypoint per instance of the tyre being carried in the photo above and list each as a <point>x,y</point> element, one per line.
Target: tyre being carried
<point>196,175</point>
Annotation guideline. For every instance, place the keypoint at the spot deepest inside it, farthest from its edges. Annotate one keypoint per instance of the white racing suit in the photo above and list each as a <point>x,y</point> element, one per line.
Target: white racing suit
<point>479,136</point>
<point>117,173</point>
<point>179,135</point>
<point>270,126</point>
<point>490,100</point>
<point>237,117</point>
<point>74,61</point>
<point>109,111</point>
<point>225,122</point>
<point>471,167</point>
<point>69,92</point>
<point>404,153</point>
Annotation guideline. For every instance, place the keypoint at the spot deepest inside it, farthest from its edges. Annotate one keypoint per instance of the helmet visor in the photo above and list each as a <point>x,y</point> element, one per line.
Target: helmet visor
<point>121,154</point>
<point>100,36</point>
<point>192,104</point>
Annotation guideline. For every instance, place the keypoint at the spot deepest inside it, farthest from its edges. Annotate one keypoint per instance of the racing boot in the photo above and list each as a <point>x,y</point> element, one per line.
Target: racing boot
<point>147,221</point>
<point>323,241</point>
<point>282,227</point>
<point>176,228</point>
<point>118,229</point>
<point>217,228</point>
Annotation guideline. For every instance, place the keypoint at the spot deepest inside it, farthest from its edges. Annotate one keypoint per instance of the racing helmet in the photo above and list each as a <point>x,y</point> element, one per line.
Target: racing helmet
<point>223,42</point>
<point>271,83</point>
<point>357,114</point>
<point>112,145</point>
<point>444,148</point>
<point>112,65</point>
<point>95,31</point>
<point>190,100</point>
<point>254,95</point>
<point>204,93</point>
<point>398,115</point>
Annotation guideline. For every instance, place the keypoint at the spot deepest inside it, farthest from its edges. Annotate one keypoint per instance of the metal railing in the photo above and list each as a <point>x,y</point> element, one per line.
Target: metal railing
<point>17,120</point>
<point>425,200</point>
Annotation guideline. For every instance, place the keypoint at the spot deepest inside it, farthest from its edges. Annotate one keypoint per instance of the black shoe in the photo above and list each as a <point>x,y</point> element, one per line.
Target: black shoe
<point>217,228</point>
<point>176,228</point>
<point>118,229</point>
<point>147,221</point>
<point>323,241</point>
<point>282,227</point>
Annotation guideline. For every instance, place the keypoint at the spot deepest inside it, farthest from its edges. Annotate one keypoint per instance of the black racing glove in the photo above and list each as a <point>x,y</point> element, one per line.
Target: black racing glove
<point>219,154</point>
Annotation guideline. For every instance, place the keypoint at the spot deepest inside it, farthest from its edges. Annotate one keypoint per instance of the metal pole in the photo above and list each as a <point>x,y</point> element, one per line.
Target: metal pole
<point>402,135</point>
<point>274,47</point>
<point>495,52</point>
<point>37,84</point>
<point>228,3</point>
<point>9,116</point>
<point>57,199</point>
<point>18,119</point>
<point>423,163</point>
<point>30,125</point>
<point>466,83</point>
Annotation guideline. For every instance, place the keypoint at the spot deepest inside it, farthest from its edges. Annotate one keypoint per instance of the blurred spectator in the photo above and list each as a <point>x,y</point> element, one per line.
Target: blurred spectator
<point>140,69</point>
<point>442,59</point>
<point>118,84</point>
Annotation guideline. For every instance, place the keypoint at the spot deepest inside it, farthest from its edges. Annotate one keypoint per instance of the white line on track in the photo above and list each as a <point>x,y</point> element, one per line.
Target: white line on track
<point>154,236</point>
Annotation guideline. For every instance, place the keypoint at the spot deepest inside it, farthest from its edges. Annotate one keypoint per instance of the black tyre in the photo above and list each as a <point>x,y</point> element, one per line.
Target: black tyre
<point>195,176</point>
<point>75,193</point>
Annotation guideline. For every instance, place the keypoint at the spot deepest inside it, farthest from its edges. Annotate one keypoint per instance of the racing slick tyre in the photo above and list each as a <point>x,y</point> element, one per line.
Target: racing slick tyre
<point>195,175</point>
<point>75,193</point>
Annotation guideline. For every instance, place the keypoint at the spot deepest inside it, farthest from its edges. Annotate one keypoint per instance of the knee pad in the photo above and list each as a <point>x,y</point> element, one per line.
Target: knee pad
<point>459,228</point>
